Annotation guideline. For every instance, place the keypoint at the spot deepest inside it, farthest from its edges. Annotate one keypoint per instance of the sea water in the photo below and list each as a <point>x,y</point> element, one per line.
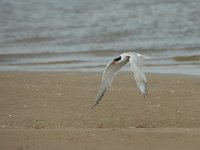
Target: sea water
<point>85,35</point>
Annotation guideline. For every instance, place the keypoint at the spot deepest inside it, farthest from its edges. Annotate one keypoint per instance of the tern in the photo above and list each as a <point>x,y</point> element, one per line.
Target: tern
<point>112,68</point>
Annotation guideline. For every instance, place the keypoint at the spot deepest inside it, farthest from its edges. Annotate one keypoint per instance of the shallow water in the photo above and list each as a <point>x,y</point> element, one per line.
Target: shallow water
<point>68,35</point>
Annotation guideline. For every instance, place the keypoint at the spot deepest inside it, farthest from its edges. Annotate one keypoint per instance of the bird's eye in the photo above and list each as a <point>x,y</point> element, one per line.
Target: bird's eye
<point>118,58</point>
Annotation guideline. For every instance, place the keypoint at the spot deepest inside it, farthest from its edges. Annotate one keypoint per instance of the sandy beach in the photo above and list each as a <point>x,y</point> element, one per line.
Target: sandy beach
<point>53,111</point>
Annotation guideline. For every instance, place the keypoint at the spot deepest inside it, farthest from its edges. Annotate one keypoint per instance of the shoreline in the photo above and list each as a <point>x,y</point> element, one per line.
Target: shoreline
<point>92,70</point>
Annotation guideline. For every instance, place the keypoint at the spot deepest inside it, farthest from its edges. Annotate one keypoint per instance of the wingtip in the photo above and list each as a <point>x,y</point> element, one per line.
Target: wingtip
<point>93,106</point>
<point>145,94</point>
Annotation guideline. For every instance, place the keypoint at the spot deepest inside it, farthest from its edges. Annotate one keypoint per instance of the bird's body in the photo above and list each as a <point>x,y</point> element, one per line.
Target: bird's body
<point>111,69</point>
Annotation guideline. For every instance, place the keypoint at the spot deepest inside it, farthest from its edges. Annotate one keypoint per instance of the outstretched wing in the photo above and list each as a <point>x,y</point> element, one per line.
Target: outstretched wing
<point>108,75</point>
<point>136,66</point>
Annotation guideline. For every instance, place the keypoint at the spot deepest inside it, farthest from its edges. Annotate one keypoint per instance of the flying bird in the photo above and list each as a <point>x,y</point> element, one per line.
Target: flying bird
<point>111,70</point>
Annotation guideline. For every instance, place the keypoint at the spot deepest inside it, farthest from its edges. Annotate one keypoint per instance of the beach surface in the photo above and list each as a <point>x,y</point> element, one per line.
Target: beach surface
<point>52,110</point>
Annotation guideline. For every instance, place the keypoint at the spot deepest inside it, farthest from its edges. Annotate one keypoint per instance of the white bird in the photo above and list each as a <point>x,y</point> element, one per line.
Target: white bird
<point>111,70</point>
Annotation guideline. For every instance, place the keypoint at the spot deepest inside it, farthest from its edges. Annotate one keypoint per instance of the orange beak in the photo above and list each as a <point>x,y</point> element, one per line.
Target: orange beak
<point>113,62</point>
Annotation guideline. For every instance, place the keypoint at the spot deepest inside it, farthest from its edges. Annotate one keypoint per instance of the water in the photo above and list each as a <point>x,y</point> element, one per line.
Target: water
<point>84,35</point>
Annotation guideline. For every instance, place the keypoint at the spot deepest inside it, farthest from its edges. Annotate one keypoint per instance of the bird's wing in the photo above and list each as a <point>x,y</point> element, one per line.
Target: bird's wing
<point>136,66</point>
<point>108,75</point>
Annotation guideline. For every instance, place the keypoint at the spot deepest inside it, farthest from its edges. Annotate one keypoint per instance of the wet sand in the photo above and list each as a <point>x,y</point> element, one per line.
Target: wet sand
<point>53,111</point>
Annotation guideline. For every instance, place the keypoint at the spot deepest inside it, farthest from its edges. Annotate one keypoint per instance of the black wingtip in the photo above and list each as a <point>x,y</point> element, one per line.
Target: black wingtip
<point>93,106</point>
<point>145,95</point>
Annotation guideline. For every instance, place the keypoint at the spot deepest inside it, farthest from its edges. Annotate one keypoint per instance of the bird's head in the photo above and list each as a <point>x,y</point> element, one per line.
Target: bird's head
<point>116,60</point>
<point>121,58</point>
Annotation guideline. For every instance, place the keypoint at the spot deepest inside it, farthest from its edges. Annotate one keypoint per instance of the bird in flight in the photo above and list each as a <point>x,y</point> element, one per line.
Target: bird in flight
<point>111,70</point>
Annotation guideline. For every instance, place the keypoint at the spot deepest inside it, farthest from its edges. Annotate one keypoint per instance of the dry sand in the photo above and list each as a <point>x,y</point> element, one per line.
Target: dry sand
<point>47,111</point>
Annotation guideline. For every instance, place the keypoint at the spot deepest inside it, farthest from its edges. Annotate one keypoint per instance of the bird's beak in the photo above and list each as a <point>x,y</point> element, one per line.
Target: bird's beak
<point>113,62</point>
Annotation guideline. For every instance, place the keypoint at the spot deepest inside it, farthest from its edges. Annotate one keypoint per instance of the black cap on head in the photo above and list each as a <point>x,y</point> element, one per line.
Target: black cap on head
<point>118,58</point>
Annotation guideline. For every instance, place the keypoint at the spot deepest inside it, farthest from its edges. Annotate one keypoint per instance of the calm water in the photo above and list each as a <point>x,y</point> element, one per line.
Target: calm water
<point>84,35</point>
